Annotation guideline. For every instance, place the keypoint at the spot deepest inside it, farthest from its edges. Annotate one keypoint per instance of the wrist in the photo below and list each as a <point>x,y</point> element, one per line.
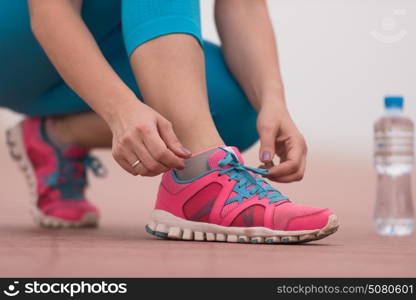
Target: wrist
<point>270,97</point>
<point>117,110</point>
<point>273,102</point>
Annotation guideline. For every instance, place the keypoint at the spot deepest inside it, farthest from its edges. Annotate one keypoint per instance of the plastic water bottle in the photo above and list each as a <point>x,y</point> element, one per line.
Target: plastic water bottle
<point>394,153</point>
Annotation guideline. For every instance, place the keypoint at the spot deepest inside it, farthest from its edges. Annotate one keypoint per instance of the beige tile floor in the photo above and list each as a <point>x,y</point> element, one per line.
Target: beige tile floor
<point>120,247</point>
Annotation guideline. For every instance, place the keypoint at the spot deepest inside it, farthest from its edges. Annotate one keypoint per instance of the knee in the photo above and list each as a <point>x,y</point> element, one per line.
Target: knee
<point>146,20</point>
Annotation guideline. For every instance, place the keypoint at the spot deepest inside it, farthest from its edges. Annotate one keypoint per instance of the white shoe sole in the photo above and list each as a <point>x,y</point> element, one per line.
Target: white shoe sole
<point>165,225</point>
<point>17,151</point>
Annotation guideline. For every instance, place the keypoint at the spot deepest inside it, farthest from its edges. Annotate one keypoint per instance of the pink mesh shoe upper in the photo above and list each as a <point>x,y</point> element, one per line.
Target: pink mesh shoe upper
<point>292,216</point>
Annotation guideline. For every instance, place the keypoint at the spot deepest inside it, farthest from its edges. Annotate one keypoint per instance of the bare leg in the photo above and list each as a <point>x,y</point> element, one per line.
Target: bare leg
<point>85,129</point>
<point>170,71</point>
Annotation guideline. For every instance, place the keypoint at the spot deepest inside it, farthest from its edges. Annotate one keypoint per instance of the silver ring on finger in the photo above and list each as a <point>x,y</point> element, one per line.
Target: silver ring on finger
<point>136,163</point>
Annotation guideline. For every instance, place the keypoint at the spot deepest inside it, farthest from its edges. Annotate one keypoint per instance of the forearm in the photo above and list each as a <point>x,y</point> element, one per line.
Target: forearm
<point>250,50</point>
<point>66,40</point>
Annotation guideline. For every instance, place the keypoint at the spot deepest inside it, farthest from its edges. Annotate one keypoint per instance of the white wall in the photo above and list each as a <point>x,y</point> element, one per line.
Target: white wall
<point>339,57</point>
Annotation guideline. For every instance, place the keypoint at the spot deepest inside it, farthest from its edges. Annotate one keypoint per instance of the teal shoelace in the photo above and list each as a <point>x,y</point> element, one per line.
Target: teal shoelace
<point>247,185</point>
<point>70,178</point>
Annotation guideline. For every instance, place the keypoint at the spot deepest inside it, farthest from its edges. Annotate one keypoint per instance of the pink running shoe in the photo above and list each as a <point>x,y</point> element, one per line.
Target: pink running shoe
<point>232,202</point>
<point>57,178</point>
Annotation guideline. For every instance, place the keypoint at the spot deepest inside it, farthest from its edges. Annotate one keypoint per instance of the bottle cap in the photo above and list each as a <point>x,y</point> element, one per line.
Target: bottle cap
<point>393,102</point>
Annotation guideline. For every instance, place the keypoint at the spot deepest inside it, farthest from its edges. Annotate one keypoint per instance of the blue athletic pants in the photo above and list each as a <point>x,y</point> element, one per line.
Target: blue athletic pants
<point>29,84</point>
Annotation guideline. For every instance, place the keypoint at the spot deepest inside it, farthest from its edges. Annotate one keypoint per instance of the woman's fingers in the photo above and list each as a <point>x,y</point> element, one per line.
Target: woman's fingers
<point>133,157</point>
<point>134,143</point>
<point>141,169</point>
<point>131,163</point>
<point>145,145</point>
<point>293,167</point>
<point>147,160</point>
<point>284,169</point>
<point>126,160</point>
<point>159,150</point>
<point>169,137</point>
<point>267,134</point>
<point>143,134</point>
<point>297,176</point>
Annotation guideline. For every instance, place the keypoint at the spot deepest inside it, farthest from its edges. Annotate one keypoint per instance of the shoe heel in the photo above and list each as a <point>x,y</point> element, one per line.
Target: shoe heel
<point>14,141</point>
<point>13,138</point>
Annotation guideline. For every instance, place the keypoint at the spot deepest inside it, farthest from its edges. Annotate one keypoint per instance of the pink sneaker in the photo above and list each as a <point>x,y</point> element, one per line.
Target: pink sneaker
<point>57,178</point>
<point>231,202</point>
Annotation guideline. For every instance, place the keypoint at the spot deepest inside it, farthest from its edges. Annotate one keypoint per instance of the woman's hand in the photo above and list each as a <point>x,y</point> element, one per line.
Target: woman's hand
<point>279,135</point>
<point>142,134</point>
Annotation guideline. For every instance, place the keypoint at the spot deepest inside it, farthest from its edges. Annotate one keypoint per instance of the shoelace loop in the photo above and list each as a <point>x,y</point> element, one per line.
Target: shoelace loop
<point>70,178</point>
<point>95,165</point>
<point>247,184</point>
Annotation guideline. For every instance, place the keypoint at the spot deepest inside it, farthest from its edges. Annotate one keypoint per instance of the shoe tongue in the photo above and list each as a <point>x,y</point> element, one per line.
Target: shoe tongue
<point>217,156</point>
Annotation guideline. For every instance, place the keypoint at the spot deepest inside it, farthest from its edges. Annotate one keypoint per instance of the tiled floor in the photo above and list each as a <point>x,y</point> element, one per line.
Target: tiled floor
<point>120,247</point>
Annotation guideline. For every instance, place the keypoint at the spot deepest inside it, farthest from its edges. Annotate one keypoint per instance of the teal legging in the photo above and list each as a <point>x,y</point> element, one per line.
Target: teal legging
<point>29,84</point>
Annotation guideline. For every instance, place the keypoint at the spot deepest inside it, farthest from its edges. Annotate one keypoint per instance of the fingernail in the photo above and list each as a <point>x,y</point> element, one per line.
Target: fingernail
<point>180,168</point>
<point>266,156</point>
<point>187,151</point>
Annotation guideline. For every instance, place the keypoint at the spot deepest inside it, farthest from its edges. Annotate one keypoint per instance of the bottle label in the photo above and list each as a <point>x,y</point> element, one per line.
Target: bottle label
<point>394,146</point>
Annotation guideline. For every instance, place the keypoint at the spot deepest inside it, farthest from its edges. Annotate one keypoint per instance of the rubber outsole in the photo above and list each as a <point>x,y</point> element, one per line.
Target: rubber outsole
<point>167,226</point>
<point>14,142</point>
